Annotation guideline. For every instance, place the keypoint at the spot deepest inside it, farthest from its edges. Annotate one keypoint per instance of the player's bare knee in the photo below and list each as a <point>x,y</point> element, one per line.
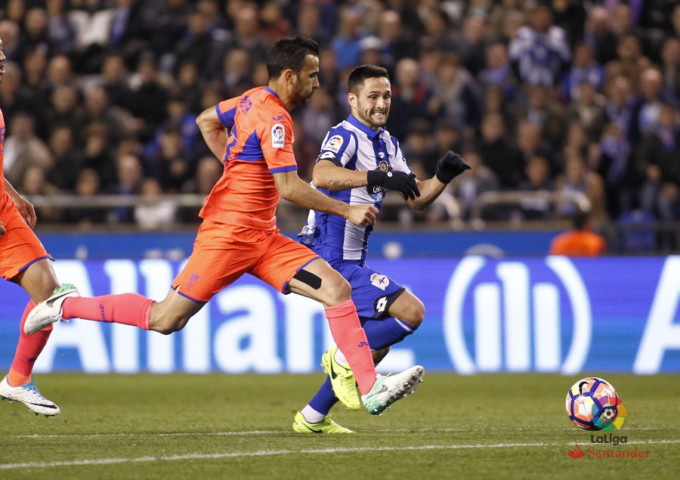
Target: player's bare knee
<point>335,289</point>
<point>167,324</point>
<point>414,313</point>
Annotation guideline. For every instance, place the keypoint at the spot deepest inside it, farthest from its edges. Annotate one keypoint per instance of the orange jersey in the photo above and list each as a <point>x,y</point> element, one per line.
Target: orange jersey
<point>260,143</point>
<point>578,243</point>
<point>2,158</point>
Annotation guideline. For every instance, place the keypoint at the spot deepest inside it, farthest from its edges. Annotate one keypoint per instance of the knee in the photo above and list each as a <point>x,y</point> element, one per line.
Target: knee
<point>336,289</point>
<point>167,324</point>
<point>414,313</point>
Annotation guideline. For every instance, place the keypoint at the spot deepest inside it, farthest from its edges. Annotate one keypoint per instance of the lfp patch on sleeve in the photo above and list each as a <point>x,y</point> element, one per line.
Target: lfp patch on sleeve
<point>333,144</point>
<point>278,136</point>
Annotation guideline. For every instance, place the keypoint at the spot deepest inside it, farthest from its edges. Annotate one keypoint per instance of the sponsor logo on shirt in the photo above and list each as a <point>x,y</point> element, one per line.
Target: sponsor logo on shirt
<point>333,144</point>
<point>278,136</point>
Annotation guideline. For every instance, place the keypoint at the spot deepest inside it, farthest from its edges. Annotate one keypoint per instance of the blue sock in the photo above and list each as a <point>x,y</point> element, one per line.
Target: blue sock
<point>386,332</point>
<point>324,399</point>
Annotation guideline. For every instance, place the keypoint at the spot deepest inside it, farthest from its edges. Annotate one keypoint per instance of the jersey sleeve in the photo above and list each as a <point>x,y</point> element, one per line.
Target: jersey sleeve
<point>339,147</point>
<point>276,140</point>
<point>226,110</point>
<point>399,160</point>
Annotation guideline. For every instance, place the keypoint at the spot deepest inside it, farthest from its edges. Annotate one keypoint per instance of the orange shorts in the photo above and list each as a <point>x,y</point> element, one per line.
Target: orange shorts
<point>19,246</point>
<point>222,253</point>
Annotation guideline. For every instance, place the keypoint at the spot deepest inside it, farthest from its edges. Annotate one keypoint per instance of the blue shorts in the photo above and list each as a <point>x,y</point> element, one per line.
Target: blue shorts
<point>372,292</point>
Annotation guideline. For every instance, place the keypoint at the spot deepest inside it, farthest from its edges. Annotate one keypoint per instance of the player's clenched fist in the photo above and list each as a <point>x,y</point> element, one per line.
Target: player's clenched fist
<point>362,215</point>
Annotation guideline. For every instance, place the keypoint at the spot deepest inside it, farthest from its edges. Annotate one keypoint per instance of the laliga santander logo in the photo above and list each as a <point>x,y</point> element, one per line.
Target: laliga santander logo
<point>576,452</point>
<point>510,311</point>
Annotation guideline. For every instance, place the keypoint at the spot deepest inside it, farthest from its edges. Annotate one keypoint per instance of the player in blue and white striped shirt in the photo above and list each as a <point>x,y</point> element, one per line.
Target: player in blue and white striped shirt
<point>359,160</point>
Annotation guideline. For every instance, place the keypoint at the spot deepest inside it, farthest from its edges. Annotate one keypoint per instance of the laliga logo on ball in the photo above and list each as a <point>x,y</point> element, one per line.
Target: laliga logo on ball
<point>593,404</point>
<point>516,320</point>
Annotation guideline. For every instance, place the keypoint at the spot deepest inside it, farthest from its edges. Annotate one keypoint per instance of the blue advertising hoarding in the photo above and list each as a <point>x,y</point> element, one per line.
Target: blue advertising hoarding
<point>544,314</point>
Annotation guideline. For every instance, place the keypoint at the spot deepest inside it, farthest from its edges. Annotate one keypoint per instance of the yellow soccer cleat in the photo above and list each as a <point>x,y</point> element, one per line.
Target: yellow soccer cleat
<point>301,425</point>
<point>342,380</point>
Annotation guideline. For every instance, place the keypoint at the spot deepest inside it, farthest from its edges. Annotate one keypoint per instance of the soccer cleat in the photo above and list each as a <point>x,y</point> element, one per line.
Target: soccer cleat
<point>29,395</point>
<point>301,425</point>
<point>342,380</point>
<point>388,389</point>
<point>49,311</point>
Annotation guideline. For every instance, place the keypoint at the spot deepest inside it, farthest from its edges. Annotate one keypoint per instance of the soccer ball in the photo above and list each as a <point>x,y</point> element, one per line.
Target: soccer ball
<point>592,404</point>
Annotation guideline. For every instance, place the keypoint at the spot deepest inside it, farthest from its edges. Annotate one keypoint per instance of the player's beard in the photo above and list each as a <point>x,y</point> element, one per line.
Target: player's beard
<point>368,119</point>
<point>302,95</point>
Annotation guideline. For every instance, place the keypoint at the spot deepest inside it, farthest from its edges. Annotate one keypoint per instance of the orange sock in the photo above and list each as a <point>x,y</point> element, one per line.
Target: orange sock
<point>28,349</point>
<point>351,340</point>
<point>126,308</point>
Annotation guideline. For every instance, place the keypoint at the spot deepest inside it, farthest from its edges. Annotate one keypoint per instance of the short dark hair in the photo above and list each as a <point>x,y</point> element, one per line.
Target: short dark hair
<point>290,52</point>
<point>361,73</point>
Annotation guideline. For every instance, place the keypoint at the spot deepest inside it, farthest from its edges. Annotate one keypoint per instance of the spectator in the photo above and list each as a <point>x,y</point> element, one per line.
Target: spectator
<point>457,96</point>
<point>537,180</point>
<point>589,109</point>
<point>584,69</point>
<point>540,53</point>
<point>23,149</point>
<point>87,188</point>
<point>411,97</point>
<point>34,183</point>
<point>68,160</point>
<point>499,153</point>
<point>647,104</point>
<point>612,163</point>
<point>599,36</point>
<point>497,71</point>
<point>619,108</point>
<point>658,164</point>
<point>346,43</point>
<point>114,80</point>
<point>397,42</point>
<point>468,188</point>
<point>580,241</point>
<point>128,182</point>
<point>630,61</point>
<point>578,177</point>
<point>542,108</point>
<point>670,67</point>
<point>531,144</point>
<point>154,212</point>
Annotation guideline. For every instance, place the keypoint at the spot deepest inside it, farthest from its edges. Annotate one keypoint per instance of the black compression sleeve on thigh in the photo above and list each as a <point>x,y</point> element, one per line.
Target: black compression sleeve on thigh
<point>309,278</point>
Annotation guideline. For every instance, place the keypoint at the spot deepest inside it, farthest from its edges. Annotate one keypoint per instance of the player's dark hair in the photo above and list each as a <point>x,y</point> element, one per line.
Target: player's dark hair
<point>361,73</point>
<point>290,52</point>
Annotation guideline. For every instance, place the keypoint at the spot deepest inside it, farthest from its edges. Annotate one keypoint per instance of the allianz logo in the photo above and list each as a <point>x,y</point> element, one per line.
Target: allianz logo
<point>515,320</point>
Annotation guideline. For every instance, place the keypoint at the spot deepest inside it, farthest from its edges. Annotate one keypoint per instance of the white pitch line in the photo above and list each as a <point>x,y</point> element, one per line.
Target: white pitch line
<point>269,453</point>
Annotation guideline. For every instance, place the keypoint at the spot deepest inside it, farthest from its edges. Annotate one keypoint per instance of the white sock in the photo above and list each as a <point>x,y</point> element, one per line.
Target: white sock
<point>311,415</point>
<point>340,358</point>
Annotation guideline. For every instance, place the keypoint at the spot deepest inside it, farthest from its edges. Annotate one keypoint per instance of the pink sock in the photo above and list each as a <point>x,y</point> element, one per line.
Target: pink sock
<point>352,342</point>
<point>28,349</point>
<point>126,308</point>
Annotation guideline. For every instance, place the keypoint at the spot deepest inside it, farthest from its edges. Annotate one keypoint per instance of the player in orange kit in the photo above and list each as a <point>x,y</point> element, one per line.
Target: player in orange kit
<point>24,261</point>
<point>253,135</point>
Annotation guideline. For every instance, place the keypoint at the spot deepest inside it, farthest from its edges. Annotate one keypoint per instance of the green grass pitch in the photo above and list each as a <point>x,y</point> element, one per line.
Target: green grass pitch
<point>239,427</point>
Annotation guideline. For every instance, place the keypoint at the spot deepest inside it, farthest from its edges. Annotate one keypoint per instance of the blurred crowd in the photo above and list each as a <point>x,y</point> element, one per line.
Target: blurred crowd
<point>101,96</point>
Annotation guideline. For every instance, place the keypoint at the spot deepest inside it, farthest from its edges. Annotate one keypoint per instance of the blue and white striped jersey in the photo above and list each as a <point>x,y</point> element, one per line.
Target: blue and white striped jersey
<point>353,145</point>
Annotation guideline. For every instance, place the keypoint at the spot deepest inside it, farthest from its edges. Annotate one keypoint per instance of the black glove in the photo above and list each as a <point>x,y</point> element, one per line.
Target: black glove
<point>450,166</point>
<point>403,183</point>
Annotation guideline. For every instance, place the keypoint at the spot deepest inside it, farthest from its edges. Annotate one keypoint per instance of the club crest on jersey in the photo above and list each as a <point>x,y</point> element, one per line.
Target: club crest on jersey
<point>377,191</point>
<point>380,281</point>
<point>278,136</point>
<point>334,143</point>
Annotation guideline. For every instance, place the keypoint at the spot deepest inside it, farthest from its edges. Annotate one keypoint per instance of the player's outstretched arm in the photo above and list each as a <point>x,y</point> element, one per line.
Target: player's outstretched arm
<point>295,190</point>
<point>24,206</point>
<point>332,177</point>
<point>449,166</point>
<point>213,131</point>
